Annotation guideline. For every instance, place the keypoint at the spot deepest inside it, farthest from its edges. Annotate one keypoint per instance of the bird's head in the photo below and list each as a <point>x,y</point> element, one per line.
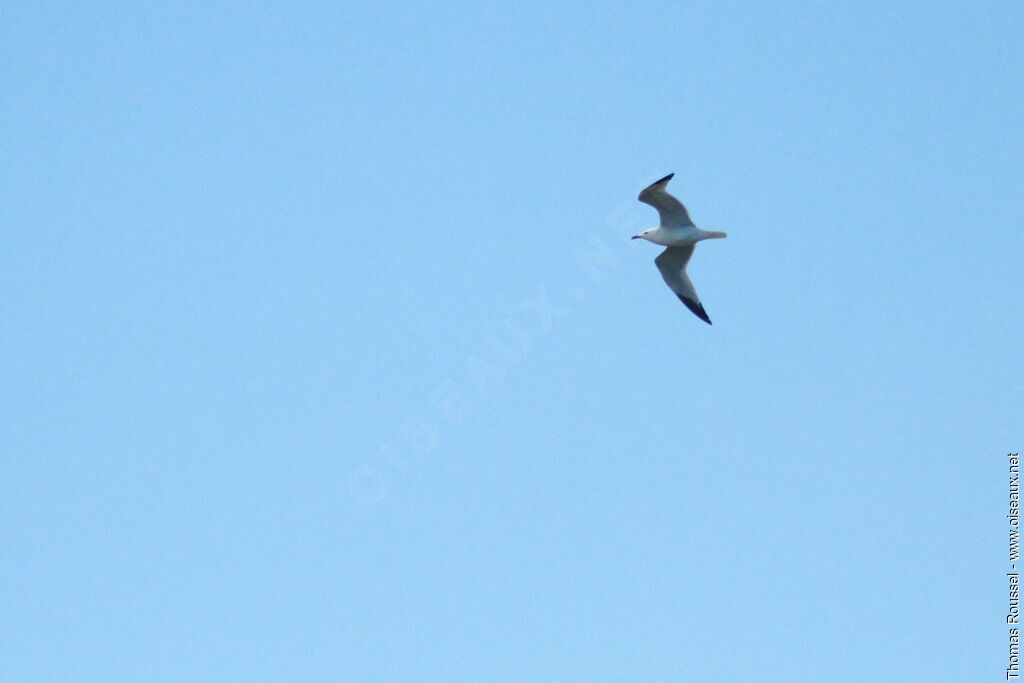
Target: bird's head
<point>645,235</point>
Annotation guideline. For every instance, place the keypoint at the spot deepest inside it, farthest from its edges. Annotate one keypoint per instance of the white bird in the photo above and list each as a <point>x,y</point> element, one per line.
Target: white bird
<point>680,235</point>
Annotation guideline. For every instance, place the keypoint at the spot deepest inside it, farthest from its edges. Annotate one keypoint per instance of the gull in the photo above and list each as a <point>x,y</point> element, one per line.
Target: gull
<point>680,235</point>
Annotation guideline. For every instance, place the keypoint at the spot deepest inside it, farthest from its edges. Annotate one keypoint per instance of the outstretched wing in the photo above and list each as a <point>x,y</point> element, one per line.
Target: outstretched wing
<point>670,209</point>
<point>672,265</point>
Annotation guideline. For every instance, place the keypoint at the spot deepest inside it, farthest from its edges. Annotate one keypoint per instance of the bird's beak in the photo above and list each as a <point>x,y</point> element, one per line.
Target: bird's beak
<point>635,237</point>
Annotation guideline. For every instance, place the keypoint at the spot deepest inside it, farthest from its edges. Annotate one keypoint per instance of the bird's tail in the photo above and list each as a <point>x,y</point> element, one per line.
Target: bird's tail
<point>716,235</point>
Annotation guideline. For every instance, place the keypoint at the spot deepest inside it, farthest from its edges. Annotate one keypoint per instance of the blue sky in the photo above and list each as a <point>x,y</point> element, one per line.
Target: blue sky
<point>326,354</point>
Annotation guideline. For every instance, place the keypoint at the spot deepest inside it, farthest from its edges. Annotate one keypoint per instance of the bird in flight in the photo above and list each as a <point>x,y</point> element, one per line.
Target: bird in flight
<point>680,235</point>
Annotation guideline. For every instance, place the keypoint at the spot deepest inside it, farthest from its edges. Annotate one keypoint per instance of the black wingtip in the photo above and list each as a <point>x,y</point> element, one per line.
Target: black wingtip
<point>663,180</point>
<point>696,308</point>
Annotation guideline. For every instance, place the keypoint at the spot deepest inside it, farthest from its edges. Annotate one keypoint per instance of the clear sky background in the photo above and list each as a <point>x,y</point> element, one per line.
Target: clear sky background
<point>326,355</point>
